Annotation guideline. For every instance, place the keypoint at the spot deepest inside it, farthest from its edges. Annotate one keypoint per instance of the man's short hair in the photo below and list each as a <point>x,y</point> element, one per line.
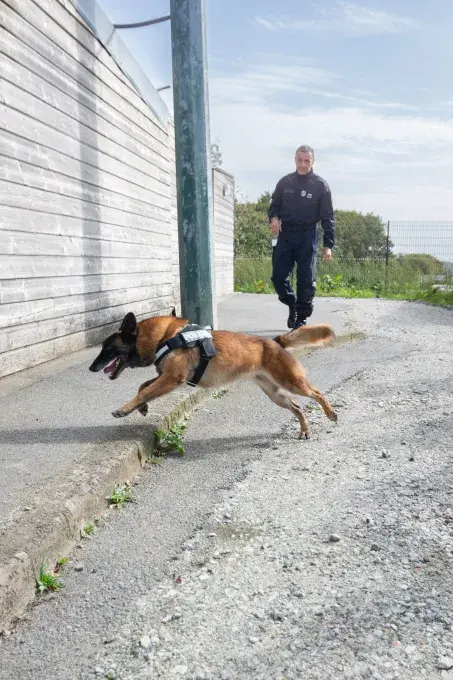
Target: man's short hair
<point>306,149</point>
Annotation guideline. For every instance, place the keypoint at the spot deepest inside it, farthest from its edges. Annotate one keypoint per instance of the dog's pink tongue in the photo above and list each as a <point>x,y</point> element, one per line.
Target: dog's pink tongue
<point>109,368</point>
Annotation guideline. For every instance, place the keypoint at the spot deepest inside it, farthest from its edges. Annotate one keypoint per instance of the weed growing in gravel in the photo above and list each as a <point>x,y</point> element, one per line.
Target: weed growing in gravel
<point>47,580</point>
<point>89,530</point>
<point>219,393</point>
<point>171,441</point>
<point>154,460</point>
<point>61,562</point>
<point>312,407</point>
<point>120,495</point>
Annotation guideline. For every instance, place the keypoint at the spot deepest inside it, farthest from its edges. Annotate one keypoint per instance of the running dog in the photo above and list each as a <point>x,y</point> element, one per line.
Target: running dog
<point>237,356</point>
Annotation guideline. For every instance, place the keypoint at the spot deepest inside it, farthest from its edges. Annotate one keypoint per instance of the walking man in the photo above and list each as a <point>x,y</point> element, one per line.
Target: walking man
<point>300,200</point>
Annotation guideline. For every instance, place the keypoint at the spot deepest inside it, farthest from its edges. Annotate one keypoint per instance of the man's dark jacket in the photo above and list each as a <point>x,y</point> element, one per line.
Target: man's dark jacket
<point>301,201</point>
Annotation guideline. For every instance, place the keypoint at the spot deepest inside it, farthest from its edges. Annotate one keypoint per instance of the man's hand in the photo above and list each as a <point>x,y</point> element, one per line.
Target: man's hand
<point>326,254</point>
<point>276,226</point>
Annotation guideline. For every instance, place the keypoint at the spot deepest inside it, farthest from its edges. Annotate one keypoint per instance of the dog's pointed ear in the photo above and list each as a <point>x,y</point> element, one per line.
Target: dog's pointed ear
<point>173,312</point>
<point>128,328</point>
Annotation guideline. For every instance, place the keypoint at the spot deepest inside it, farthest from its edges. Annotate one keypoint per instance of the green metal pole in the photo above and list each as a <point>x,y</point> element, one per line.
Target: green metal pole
<point>193,163</point>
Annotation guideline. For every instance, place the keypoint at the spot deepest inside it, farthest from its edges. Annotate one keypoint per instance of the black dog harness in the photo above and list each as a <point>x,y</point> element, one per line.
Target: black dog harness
<point>190,336</point>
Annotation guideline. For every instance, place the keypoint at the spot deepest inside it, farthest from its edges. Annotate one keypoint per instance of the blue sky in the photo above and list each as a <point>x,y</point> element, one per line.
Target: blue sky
<point>367,84</point>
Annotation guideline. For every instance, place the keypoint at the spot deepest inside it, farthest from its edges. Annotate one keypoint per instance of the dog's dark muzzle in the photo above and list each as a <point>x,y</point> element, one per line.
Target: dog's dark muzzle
<point>97,365</point>
<point>112,366</point>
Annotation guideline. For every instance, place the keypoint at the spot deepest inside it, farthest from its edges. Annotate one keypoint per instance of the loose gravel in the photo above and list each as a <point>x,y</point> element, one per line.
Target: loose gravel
<point>327,559</point>
<point>328,562</point>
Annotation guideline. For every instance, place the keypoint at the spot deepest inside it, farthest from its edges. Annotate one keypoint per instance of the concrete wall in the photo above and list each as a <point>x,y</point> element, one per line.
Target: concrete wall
<point>88,224</point>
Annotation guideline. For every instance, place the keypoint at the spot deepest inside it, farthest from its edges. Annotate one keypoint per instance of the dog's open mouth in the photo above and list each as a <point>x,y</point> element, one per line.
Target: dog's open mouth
<point>114,368</point>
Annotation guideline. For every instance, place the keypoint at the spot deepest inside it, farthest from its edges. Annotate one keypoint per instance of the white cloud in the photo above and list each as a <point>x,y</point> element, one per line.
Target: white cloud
<point>376,20</point>
<point>346,19</point>
<point>395,163</point>
<point>374,102</point>
<point>267,77</point>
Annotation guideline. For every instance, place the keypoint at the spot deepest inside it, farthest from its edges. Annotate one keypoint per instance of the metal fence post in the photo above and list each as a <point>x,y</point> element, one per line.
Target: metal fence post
<point>387,254</point>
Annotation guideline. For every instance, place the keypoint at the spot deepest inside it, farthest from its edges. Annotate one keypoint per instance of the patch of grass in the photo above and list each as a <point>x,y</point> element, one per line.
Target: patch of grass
<point>344,292</point>
<point>154,460</point>
<point>330,283</point>
<point>257,287</point>
<point>436,297</point>
<point>89,530</point>
<point>61,562</point>
<point>433,297</point>
<point>348,278</point>
<point>310,406</point>
<point>171,440</point>
<point>47,580</point>
<point>121,494</point>
<point>253,275</point>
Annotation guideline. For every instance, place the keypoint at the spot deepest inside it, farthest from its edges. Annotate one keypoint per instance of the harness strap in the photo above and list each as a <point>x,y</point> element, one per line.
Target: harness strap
<point>207,351</point>
<point>166,347</point>
<point>190,336</point>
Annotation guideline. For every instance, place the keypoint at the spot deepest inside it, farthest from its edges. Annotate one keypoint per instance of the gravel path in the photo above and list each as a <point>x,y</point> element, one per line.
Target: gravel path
<point>331,558</point>
<point>336,563</point>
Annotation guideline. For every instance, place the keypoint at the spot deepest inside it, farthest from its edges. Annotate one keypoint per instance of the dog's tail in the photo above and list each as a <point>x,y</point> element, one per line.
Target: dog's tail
<point>317,334</point>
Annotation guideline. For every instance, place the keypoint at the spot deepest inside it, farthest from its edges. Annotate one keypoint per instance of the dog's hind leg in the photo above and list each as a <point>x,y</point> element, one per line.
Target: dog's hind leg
<point>280,397</point>
<point>290,375</point>
<point>322,401</point>
<point>303,388</point>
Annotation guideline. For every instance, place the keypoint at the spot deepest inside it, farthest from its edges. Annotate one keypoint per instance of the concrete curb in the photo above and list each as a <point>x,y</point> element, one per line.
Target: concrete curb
<point>62,510</point>
<point>340,339</point>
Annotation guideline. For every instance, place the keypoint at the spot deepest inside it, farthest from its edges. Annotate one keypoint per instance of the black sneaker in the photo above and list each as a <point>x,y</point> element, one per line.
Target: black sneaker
<point>292,318</point>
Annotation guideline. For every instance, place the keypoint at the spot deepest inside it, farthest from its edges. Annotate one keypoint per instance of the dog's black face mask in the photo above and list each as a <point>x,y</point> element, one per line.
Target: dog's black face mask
<point>119,350</point>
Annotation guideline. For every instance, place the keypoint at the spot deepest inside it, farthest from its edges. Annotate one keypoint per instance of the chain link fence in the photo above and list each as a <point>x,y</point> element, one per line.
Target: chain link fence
<point>407,258</point>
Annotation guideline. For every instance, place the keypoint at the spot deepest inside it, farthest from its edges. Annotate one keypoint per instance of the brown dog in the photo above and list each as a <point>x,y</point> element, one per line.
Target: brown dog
<point>238,356</point>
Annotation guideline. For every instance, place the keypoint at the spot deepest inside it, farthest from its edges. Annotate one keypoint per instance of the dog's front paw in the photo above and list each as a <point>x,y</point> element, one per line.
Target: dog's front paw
<point>119,413</point>
<point>143,409</point>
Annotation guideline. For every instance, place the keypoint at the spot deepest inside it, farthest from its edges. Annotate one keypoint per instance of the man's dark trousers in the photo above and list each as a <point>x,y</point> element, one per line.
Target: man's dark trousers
<point>296,247</point>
